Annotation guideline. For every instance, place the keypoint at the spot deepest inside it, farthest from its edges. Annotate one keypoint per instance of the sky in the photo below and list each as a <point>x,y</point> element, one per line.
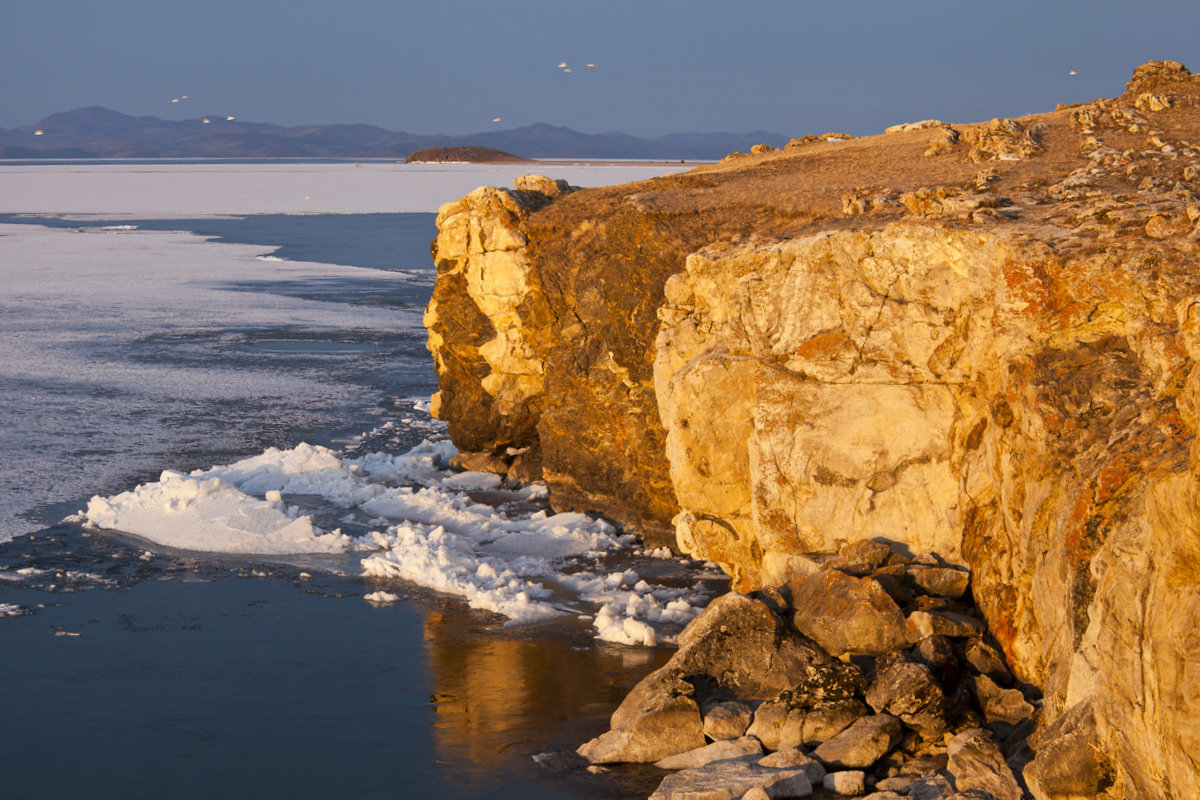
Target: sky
<point>785,66</point>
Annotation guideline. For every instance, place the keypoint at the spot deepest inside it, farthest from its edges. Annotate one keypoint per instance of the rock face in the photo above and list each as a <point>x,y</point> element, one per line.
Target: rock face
<point>991,351</point>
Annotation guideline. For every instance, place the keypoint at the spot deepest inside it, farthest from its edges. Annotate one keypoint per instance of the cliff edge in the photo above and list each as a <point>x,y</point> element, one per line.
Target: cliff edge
<point>980,340</point>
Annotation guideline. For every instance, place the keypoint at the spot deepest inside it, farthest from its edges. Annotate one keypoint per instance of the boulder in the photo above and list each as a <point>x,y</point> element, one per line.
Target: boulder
<point>923,624</point>
<point>977,763</point>
<point>986,660</point>
<point>931,787</point>
<point>861,558</point>
<point>728,780</point>
<point>728,646</point>
<point>1001,705</point>
<point>827,720</point>
<point>768,722</point>
<point>794,757</point>
<point>663,723</point>
<point>827,681</point>
<point>910,692</point>
<point>846,615</point>
<point>1070,764</point>
<point>949,582</point>
<point>727,720</point>
<point>846,782</point>
<point>938,655</point>
<point>862,744</point>
<point>745,747</point>
<point>740,643</point>
<point>896,783</point>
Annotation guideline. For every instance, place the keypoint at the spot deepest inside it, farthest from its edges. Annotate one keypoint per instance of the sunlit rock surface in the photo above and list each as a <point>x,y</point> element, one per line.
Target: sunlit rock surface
<point>980,340</point>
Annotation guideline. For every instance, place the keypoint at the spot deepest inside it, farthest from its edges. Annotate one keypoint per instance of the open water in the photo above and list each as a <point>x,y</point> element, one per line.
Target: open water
<point>131,671</point>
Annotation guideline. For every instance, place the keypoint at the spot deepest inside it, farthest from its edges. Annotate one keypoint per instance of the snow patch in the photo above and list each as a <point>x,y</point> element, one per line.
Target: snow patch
<point>423,524</point>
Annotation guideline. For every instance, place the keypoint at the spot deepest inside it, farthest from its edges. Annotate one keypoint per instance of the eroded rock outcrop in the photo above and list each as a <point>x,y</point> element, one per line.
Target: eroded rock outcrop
<point>992,352</point>
<point>856,722</point>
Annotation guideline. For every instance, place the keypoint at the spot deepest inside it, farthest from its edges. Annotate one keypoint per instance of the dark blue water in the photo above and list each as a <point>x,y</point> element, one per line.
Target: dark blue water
<point>143,674</point>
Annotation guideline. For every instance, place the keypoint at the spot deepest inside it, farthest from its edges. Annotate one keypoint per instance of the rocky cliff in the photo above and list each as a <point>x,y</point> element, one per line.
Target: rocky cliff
<point>981,340</point>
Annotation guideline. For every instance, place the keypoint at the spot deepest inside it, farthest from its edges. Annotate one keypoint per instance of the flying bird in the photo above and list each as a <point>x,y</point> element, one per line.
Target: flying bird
<point>229,119</point>
<point>562,65</point>
<point>591,66</point>
<point>174,99</point>
<point>1072,72</point>
<point>567,70</point>
<point>495,119</point>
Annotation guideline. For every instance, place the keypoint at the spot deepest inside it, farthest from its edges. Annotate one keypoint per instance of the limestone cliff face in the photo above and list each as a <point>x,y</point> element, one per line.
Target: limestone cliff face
<point>917,384</point>
<point>488,322</point>
<point>977,340</point>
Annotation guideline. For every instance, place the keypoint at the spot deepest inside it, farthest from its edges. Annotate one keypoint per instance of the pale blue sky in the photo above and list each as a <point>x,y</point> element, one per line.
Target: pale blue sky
<point>661,65</point>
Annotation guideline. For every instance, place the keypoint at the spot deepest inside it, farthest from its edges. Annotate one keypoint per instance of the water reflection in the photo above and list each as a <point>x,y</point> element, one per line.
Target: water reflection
<point>501,695</point>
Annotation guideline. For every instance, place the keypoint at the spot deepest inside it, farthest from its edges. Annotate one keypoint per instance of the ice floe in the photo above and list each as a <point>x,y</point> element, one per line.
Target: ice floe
<point>411,519</point>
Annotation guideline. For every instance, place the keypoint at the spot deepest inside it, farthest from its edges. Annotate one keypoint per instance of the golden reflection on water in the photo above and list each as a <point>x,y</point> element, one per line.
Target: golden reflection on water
<point>499,695</point>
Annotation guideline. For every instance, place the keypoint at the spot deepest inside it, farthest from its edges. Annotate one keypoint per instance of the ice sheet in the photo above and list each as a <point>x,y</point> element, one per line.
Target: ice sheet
<point>143,191</point>
<point>121,346</point>
<point>422,525</point>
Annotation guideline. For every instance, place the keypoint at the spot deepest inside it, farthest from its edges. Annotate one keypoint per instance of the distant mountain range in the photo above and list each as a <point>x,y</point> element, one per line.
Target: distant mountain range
<point>97,132</point>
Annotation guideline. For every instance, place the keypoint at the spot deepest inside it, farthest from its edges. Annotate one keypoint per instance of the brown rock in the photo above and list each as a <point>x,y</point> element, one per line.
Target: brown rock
<point>911,693</point>
<point>861,558</point>
<point>845,614</point>
<point>862,744</point>
<point>986,660</point>
<point>846,783</point>
<point>728,645</point>
<point>665,726</point>
<point>931,787</point>
<point>794,757</point>
<point>734,638</point>
<point>922,624</point>
<point>728,780</point>
<point>827,720</point>
<point>768,722</point>
<point>1070,763</point>
<point>822,682</point>
<point>1155,74</point>
<point>542,185</point>
<point>977,763</point>
<point>727,720</point>
<point>1001,705</point>
<point>745,747</point>
<point>942,581</point>
<point>1002,139</point>
<point>479,462</point>
<point>938,655</point>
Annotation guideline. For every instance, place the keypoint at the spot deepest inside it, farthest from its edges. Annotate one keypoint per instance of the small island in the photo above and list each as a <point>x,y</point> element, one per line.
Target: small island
<point>467,154</point>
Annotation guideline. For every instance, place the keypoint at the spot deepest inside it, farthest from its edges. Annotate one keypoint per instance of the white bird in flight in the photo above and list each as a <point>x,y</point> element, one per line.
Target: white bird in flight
<point>1072,72</point>
<point>562,65</point>
<point>495,119</point>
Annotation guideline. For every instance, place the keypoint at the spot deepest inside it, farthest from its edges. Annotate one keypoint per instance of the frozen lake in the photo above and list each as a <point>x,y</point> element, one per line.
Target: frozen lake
<point>181,317</point>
